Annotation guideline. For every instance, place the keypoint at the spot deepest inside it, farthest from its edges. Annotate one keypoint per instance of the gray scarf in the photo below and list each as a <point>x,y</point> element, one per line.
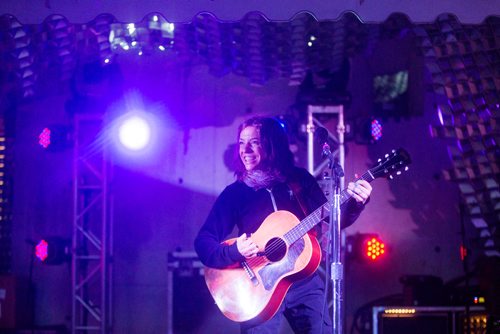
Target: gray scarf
<point>258,179</point>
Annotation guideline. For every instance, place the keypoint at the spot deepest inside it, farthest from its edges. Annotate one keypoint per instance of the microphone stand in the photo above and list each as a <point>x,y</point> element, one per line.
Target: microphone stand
<point>336,266</point>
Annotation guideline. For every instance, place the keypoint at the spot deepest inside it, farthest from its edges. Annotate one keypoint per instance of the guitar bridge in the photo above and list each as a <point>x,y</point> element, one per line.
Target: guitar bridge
<point>250,273</point>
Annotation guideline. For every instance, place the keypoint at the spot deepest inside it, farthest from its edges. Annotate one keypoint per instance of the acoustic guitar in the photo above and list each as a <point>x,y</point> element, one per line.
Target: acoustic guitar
<point>254,289</point>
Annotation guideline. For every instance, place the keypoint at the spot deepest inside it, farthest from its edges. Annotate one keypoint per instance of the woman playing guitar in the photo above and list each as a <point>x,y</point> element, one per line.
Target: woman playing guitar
<point>266,274</point>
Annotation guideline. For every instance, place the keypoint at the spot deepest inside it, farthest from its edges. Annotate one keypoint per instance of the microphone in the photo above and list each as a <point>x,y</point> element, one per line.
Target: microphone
<point>321,135</point>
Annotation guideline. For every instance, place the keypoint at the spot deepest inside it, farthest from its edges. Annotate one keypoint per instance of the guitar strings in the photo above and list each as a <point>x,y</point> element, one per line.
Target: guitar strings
<point>274,247</point>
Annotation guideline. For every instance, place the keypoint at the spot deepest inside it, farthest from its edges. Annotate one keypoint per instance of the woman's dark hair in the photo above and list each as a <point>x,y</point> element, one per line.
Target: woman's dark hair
<point>274,141</point>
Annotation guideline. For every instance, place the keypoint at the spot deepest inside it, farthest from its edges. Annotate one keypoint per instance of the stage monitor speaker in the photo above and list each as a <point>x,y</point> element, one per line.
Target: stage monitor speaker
<point>435,319</point>
<point>15,302</point>
<point>191,308</point>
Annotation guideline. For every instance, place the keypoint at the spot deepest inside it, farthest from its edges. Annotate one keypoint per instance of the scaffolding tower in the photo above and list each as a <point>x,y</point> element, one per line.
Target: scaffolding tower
<point>91,273</point>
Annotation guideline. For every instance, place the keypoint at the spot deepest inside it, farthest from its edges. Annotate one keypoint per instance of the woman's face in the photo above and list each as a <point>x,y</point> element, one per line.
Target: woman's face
<point>251,151</point>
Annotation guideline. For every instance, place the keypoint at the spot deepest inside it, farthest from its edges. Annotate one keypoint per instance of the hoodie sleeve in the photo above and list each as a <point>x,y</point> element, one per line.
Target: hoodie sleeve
<point>350,212</point>
<point>217,227</point>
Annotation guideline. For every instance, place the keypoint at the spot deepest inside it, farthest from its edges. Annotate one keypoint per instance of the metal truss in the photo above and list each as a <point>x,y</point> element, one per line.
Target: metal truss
<point>338,151</point>
<point>312,123</point>
<point>92,229</point>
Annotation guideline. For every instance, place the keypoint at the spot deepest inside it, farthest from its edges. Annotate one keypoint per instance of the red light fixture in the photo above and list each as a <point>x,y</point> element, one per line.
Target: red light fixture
<point>366,247</point>
<point>42,250</point>
<point>55,137</point>
<point>374,248</point>
<point>53,250</point>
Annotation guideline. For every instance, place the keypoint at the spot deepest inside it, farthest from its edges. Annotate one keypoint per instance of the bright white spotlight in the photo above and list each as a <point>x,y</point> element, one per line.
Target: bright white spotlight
<point>134,133</point>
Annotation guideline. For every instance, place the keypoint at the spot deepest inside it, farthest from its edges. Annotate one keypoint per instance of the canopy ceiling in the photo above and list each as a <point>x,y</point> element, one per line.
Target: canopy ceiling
<point>81,11</point>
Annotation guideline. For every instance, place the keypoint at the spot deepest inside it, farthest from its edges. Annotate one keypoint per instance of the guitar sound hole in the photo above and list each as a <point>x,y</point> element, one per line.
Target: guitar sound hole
<point>275,249</point>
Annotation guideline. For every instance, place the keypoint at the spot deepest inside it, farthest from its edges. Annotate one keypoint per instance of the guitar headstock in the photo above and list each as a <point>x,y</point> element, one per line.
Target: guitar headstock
<point>391,164</point>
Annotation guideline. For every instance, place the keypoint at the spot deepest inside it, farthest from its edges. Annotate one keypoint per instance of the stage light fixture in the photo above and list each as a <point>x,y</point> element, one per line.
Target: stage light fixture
<point>53,250</point>
<point>134,133</point>
<point>55,137</point>
<point>376,129</point>
<point>368,130</point>
<point>160,32</point>
<point>365,247</point>
<point>44,138</point>
<point>374,248</point>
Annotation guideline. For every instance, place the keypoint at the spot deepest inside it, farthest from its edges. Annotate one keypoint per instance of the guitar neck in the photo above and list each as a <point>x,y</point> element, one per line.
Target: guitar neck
<point>319,214</point>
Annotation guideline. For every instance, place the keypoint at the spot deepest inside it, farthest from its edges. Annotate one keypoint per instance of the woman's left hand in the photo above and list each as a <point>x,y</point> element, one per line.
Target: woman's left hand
<point>360,190</point>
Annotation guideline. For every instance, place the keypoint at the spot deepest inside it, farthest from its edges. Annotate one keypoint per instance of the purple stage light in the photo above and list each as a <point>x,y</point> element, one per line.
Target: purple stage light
<point>44,138</point>
<point>42,250</point>
<point>376,129</point>
<point>134,133</point>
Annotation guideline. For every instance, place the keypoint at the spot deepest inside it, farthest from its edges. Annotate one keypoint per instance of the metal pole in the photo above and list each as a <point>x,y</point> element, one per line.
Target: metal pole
<point>337,267</point>
<point>310,140</point>
<point>341,131</point>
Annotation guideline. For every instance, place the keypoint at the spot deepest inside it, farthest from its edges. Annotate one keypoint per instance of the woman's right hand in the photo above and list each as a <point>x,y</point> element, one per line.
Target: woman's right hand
<point>246,246</point>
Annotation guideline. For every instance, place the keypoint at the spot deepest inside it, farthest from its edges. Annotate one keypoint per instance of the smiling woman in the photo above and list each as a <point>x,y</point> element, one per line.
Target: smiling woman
<point>251,152</point>
<point>265,203</point>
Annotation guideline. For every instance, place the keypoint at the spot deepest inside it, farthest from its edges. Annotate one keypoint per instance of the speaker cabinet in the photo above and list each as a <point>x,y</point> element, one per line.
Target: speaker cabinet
<point>191,308</point>
<point>418,320</point>
<point>15,302</point>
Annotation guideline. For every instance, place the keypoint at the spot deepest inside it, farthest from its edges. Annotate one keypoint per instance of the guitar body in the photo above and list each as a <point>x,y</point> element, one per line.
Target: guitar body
<point>254,290</point>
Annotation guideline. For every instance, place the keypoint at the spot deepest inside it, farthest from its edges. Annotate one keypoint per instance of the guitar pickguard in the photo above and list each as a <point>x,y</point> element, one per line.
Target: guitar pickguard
<point>272,272</point>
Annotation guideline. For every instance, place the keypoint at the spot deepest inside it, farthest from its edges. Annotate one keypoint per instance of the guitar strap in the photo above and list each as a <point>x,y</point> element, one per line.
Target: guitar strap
<point>321,230</point>
<point>297,191</point>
